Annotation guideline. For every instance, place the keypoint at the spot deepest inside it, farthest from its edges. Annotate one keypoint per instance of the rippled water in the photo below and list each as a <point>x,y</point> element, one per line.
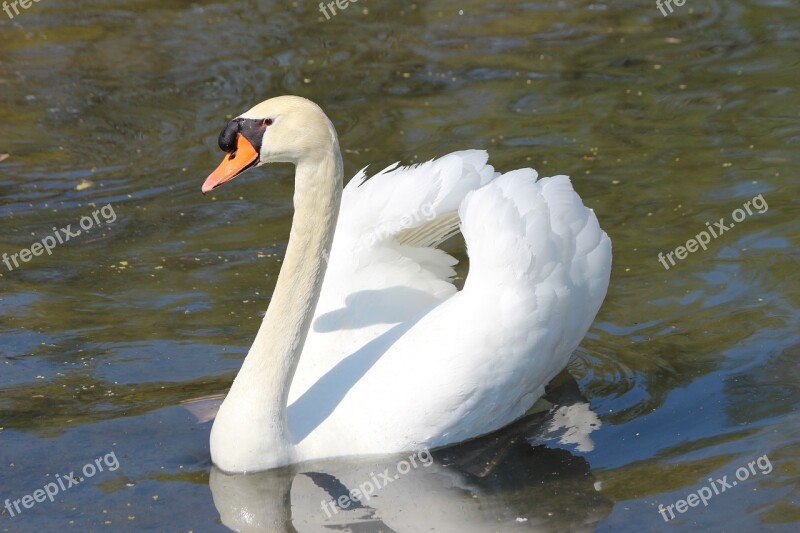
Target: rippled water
<point>664,124</point>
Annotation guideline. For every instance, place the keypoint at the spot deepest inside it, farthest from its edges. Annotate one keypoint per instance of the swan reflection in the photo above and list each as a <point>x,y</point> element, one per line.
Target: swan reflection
<point>504,480</point>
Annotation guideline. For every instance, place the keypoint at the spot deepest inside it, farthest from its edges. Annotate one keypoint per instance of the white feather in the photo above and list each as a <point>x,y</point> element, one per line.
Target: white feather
<point>390,324</point>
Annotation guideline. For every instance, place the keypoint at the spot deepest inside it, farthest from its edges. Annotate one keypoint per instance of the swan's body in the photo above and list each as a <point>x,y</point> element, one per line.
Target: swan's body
<point>386,355</point>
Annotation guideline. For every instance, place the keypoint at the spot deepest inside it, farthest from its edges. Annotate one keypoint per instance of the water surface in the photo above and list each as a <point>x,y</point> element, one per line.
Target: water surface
<point>663,123</point>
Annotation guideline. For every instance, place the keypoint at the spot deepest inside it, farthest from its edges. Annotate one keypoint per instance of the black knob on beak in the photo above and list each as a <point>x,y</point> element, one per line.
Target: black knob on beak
<point>227,138</point>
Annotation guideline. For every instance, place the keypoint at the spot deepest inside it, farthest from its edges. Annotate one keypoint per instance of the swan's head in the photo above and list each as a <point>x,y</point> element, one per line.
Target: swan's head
<point>285,129</point>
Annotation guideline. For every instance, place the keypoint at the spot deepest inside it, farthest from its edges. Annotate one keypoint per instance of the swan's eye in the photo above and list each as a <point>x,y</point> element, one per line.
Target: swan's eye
<point>267,122</point>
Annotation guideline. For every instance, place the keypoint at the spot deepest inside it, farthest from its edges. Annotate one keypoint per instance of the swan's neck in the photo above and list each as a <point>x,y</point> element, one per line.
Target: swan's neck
<point>251,430</point>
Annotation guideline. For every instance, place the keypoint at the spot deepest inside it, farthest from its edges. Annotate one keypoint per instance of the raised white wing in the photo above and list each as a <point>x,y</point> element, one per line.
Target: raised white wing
<point>469,362</point>
<point>384,266</point>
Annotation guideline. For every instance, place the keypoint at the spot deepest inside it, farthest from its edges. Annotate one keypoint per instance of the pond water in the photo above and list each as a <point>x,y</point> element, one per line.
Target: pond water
<point>664,123</point>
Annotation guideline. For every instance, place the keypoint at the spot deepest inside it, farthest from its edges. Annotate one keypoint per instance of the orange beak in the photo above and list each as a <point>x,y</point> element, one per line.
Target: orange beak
<point>236,162</point>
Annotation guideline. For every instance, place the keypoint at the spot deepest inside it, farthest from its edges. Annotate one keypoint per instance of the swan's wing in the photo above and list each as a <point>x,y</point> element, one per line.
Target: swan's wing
<point>389,227</point>
<point>384,266</point>
<point>539,270</point>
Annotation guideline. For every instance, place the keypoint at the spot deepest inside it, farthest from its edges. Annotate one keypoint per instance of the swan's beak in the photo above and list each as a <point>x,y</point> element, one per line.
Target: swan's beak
<point>235,162</point>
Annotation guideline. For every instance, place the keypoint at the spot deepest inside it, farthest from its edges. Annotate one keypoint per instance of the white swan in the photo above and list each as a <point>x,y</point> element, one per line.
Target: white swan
<point>386,355</point>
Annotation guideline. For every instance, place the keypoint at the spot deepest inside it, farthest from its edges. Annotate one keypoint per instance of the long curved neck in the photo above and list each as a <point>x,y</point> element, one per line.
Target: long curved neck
<point>251,429</point>
<point>277,347</point>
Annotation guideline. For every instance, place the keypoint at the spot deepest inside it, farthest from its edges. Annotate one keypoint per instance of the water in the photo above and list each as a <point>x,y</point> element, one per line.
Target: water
<point>664,124</point>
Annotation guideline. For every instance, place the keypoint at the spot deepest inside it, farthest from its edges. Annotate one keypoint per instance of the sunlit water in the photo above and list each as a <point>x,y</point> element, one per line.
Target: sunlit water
<point>664,124</point>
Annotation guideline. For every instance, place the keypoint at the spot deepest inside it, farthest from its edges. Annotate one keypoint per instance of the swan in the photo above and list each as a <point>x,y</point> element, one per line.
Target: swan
<point>367,347</point>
